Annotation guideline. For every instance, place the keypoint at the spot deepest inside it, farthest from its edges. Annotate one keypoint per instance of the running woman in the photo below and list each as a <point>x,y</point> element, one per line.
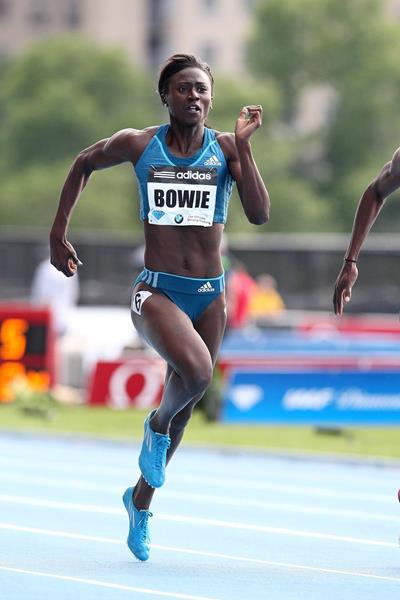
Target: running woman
<point>369,207</point>
<point>185,173</point>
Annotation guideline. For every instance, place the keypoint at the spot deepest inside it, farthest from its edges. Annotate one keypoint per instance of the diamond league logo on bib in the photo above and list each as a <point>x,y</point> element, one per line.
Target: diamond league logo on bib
<point>182,195</point>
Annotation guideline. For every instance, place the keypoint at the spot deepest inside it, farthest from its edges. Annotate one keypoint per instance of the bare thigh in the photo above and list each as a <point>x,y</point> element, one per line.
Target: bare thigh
<point>169,331</point>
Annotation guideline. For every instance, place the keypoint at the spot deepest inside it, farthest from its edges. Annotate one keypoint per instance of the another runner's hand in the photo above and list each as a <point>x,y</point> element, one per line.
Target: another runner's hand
<point>63,256</point>
<point>249,120</point>
<point>343,286</point>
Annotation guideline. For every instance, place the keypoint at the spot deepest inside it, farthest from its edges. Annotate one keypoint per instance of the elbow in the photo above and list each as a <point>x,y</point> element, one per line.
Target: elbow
<point>375,193</point>
<point>260,217</point>
<point>82,164</point>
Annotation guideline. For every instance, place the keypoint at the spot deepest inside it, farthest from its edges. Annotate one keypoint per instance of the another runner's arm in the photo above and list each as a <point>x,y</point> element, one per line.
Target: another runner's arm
<point>369,207</point>
<point>371,203</point>
<point>252,191</point>
<point>119,148</point>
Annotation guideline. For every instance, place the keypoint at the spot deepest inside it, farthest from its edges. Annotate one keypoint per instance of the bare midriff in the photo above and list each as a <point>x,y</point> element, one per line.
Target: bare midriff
<point>187,251</point>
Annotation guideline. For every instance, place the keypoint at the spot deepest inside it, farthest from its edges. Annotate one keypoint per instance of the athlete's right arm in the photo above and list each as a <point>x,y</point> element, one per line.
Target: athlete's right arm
<point>369,207</point>
<point>124,146</point>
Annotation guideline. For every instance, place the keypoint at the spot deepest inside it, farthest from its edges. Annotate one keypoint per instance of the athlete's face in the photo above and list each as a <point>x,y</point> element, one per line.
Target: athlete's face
<point>189,95</point>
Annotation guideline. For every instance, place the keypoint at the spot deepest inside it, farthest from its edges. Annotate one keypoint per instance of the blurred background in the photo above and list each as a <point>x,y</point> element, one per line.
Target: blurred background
<point>328,76</point>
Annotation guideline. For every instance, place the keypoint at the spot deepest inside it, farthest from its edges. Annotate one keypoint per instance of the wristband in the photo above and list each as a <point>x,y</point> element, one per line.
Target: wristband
<point>350,260</point>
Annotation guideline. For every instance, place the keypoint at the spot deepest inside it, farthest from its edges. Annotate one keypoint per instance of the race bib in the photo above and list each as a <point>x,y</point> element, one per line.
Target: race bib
<point>182,195</point>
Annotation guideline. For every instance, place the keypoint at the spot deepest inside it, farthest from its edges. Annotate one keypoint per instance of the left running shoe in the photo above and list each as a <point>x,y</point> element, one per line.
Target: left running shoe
<point>153,455</point>
<point>138,536</point>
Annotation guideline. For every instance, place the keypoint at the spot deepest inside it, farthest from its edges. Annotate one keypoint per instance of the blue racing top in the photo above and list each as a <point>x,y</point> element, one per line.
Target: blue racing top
<point>183,191</point>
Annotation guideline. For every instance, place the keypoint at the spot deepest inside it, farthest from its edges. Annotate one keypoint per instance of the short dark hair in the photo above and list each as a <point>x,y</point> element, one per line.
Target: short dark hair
<point>176,63</point>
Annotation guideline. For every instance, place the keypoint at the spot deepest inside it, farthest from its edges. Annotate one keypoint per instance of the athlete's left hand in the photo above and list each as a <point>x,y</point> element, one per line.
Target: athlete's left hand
<point>343,286</point>
<point>250,119</point>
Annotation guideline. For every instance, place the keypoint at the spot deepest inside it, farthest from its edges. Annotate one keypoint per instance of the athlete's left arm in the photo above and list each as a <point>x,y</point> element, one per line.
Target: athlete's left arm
<point>237,149</point>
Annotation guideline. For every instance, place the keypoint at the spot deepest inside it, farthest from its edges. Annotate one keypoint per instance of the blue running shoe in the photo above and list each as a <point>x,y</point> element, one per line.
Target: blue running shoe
<point>153,455</point>
<point>138,537</point>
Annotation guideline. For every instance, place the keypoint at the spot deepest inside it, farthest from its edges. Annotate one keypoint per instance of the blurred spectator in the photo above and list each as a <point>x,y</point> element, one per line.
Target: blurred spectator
<point>51,288</point>
<point>239,288</point>
<point>265,300</point>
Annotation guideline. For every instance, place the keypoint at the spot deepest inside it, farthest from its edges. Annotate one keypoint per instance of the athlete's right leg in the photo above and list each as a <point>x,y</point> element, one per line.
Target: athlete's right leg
<point>190,362</point>
<point>211,327</point>
<point>171,333</point>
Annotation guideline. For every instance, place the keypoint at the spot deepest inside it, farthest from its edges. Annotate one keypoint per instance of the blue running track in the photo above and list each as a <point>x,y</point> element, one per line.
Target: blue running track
<point>226,525</point>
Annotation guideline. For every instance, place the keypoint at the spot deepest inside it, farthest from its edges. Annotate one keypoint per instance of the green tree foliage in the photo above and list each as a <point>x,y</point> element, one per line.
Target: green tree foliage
<point>295,206</point>
<point>63,95</point>
<point>353,48</point>
<point>60,96</point>
<point>55,99</point>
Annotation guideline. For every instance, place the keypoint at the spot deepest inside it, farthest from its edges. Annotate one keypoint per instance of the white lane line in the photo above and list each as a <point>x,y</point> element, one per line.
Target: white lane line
<point>245,559</point>
<point>298,469</point>
<point>281,506</point>
<point>310,468</point>
<point>290,489</point>
<point>214,482</point>
<point>202,498</point>
<point>93,508</point>
<point>106,584</point>
<point>276,530</point>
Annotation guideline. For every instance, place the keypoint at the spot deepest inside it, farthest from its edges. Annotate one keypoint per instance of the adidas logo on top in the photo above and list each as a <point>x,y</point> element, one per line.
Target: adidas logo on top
<point>207,287</point>
<point>213,161</point>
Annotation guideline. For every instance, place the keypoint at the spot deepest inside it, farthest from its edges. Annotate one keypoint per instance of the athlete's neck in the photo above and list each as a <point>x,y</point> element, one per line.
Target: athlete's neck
<point>184,140</point>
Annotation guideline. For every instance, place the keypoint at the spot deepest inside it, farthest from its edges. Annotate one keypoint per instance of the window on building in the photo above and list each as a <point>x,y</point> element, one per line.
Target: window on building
<point>39,12</point>
<point>5,8</point>
<point>210,4</point>
<point>158,11</point>
<point>73,14</point>
<point>208,53</point>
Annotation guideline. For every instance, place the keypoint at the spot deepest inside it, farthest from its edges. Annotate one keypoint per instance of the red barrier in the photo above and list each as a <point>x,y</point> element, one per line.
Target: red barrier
<point>369,325</point>
<point>132,382</point>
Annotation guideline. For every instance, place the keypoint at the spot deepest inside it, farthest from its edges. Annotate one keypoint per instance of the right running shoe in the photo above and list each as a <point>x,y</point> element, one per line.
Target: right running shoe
<point>138,536</point>
<point>153,455</point>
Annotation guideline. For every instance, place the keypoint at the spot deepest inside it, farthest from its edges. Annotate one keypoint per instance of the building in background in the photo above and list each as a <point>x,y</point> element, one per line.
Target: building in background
<point>147,30</point>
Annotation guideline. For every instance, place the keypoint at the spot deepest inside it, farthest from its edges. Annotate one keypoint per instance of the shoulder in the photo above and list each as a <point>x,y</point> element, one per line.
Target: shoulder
<point>227,142</point>
<point>388,180</point>
<point>129,143</point>
<point>395,163</point>
<point>391,168</point>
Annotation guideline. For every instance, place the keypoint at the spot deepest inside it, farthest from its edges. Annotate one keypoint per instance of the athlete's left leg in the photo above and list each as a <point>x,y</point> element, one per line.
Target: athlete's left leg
<point>211,327</point>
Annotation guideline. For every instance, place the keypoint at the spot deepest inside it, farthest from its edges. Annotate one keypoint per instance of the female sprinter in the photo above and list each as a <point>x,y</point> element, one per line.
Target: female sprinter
<point>185,172</point>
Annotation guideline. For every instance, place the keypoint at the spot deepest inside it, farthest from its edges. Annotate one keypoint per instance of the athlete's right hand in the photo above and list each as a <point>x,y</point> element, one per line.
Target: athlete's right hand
<point>343,286</point>
<point>63,256</point>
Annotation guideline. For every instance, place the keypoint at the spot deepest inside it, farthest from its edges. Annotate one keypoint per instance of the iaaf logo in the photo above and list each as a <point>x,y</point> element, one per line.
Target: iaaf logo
<point>197,175</point>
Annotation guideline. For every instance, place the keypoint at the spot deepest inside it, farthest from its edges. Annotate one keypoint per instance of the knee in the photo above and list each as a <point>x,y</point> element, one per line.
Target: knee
<point>197,376</point>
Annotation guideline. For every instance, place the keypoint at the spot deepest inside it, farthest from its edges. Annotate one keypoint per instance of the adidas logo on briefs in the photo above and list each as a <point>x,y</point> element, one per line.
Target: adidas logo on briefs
<point>213,160</point>
<point>207,287</point>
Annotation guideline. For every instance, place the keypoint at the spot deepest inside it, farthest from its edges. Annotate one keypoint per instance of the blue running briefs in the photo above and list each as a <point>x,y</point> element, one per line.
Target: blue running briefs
<point>191,294</point>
